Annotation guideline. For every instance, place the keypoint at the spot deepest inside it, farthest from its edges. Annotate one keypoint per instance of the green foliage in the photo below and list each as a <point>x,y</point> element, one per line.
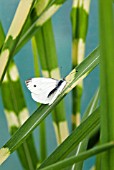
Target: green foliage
<point>35,23</point>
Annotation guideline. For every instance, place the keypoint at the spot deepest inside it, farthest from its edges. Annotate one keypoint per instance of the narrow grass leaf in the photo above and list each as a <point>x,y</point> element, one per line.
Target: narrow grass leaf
<point>83,144</point>
<point>107,79</point>
<point>82,131</point>
<point>42,136</point>
<point>81,157</point>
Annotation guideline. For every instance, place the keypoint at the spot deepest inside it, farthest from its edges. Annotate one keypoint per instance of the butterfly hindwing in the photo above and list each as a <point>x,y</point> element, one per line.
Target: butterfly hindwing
<point>42,98</point>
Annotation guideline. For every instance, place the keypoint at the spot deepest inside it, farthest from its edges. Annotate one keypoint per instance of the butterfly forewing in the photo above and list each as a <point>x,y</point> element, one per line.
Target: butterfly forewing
<point>39,85</point>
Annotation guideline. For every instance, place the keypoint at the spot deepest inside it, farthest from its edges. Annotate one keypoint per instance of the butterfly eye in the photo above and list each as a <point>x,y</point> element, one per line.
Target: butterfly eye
<point>34,85</point>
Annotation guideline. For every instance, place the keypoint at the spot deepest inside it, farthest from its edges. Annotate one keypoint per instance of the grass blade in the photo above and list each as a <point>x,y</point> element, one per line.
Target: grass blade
<point>83,145</point>
<point>82,131</point>
<point>81,157</point>
<point>107,79</point>
<point>79,18</point>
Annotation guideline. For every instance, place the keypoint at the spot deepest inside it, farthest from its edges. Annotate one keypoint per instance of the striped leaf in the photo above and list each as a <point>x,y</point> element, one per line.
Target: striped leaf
<point>14,33</point>
<point>17,113</point>
<point>48,59</point>
<point>79,19</point>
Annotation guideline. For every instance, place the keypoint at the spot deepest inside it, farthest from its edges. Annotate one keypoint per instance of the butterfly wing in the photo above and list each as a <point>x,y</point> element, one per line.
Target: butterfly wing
<point>42,98</point>
<point>57,92</point>
<point>40,88</point>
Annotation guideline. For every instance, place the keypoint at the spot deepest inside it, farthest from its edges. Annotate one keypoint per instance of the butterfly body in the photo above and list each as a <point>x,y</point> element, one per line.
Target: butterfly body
<point>45,90</point>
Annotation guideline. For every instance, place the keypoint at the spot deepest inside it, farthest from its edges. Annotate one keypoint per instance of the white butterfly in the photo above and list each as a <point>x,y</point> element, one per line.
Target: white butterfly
<point>45,90</point>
